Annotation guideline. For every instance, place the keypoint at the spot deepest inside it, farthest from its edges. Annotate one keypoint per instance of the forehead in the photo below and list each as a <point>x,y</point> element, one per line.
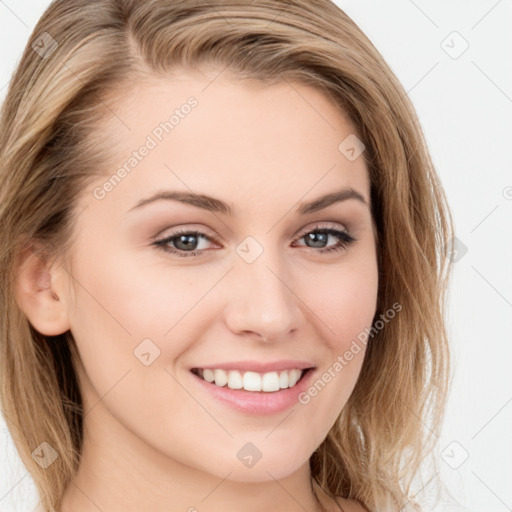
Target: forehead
<point>213,133</point>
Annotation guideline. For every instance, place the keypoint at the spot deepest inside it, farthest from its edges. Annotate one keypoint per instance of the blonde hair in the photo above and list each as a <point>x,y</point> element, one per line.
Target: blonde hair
<point>49,144</point>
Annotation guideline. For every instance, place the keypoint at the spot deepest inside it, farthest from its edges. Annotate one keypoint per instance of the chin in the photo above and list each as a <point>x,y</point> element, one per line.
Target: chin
<point>266,463</point>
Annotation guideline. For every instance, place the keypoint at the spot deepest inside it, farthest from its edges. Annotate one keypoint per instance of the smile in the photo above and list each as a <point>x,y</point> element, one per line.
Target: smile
<point>251,381</point>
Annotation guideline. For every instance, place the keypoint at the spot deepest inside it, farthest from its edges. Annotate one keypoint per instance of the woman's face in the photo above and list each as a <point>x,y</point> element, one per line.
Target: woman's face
<point>248,284</point>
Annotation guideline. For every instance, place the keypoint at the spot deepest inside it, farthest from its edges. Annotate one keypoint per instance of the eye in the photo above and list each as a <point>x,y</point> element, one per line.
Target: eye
<point>185,243</point>
<point>319,236</point>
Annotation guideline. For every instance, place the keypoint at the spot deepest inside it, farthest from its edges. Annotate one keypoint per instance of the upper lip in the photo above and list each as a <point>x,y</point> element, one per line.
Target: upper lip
<point>259,366</point>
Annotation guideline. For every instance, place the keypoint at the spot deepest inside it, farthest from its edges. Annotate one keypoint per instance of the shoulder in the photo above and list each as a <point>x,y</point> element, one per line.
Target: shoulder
<point>350,505</point>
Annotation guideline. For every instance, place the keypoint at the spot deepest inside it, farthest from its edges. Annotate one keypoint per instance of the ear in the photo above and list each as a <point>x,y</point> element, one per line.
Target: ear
<point>43,304</point>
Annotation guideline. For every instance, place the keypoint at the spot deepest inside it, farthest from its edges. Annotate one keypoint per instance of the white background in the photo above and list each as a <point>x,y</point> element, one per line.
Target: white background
<point>465,107</point>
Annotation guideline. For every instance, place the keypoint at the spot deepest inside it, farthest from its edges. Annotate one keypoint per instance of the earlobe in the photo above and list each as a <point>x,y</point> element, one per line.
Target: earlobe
<point>36,293</point>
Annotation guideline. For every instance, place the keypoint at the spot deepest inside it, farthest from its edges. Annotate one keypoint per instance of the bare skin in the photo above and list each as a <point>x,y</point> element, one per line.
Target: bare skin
<point>154,438</point>
<point>345,504</point>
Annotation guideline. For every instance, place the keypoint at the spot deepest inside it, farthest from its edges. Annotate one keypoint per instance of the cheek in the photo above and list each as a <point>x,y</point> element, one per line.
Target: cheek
<point>344,301</point>
<point>128,313</point>
<point>124,293</point>
<point>343,305</point>
<point>120,320</point>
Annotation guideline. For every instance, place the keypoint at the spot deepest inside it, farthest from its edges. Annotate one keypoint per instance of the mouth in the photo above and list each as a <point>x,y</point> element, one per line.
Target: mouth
<point>268,382</point>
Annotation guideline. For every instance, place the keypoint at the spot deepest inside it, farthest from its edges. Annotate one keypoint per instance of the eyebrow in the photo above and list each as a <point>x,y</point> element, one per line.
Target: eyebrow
<point>217,206</point>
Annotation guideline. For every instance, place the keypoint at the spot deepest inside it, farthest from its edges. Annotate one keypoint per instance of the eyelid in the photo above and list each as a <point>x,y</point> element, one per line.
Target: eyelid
<point>185,229</point>
<point>322,225</point>
<point>213,237</point>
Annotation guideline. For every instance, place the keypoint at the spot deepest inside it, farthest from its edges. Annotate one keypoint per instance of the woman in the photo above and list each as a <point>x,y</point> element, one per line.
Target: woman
<point>223,265</point>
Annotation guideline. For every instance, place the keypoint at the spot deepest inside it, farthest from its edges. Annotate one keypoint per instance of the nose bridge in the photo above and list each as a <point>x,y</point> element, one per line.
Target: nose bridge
<point>261,297</point>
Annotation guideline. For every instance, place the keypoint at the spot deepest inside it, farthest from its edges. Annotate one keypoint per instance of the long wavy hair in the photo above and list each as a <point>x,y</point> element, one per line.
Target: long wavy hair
<point>81,57</point>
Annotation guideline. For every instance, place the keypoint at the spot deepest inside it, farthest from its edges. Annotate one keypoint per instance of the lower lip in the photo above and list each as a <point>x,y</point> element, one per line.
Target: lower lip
<point>257,402</point>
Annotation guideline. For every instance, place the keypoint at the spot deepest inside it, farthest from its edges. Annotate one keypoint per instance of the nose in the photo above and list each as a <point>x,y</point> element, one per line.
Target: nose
<point>262,300</point>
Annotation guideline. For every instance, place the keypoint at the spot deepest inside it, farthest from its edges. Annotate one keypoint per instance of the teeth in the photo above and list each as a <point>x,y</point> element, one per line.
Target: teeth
<point>209,375</point>
<point>235,380</point>
<point>283,380</point>
<point>221,378</point>
<point>270,382</point>
<point>294,377</point>
<point>252,381</point>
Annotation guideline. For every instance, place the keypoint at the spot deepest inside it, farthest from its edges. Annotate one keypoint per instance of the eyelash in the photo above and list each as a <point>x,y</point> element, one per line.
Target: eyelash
<point>344,241</point>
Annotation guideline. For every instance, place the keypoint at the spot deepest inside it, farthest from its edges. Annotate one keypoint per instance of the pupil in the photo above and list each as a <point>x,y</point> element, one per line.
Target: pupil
<point>188,240</point>
<point>318,238</point>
